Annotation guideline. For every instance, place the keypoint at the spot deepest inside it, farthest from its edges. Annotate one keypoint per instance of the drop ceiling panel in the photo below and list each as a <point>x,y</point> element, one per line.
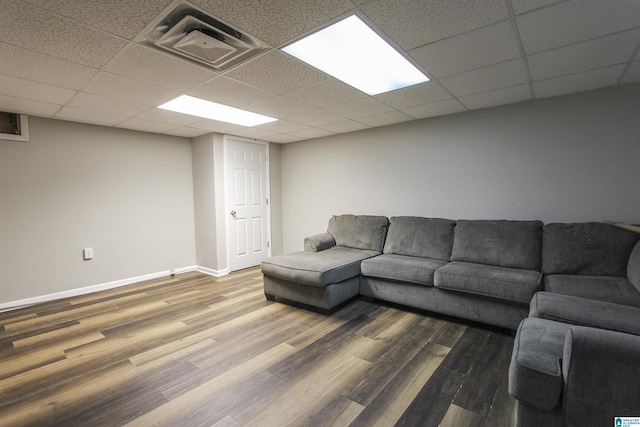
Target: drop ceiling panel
<point>12,86</point>
<point>32,28</point>
<point>99,103</point>
<point>30,65</point>
<point>424,93</point>
<point>415,23</point>
<point>279,107</point>
<point>126,89</point>
<point>344,126</point>
<point>27,106</point>
<point>277,72</point>
<point>360,108</point>
<point>578,82</point>
<point>584,56</point>
<point>493,77</point>
<point>146,125</point>
<point>124,18</point>
<point>475,49</point>
<point>317,118</point>
<point>521,6</point>
<point>441,108</point>
<point>187,132</point>
<point>508,95</point>
<point>575,21</point>
<point>384,119</point>
<point>230,92</point>
<point>86,116</point>
<point>163,116</point>
<point>282,126</point>
<point>293,17</point>
<point>327,93</point>
<point>151,66</point>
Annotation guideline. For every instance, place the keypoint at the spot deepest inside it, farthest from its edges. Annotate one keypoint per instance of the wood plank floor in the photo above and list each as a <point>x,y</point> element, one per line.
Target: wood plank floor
<point>193,350</point>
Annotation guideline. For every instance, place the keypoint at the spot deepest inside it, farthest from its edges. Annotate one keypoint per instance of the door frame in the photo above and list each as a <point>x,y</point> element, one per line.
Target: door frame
<point>227,199</point>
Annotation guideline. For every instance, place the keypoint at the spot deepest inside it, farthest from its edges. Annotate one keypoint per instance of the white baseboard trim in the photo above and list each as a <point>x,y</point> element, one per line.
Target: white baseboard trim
<point>214,273</point>
<point>14,305</point>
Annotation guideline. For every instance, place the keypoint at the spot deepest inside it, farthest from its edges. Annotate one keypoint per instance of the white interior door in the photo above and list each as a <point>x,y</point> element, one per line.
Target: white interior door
<point>247,203</point>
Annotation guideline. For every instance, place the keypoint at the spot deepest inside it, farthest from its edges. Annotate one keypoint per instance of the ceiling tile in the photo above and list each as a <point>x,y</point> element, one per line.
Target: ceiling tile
<point>384,119</point>
<point>279,107</point>
<point>317,118</point>
<point>584,56</point>
<point>345,126</point>
<point>283,138</point>
<point>412,96</point>
<point>312,133</point>
<point>37,67</point>
<point>157,68</point>
<point>633,73</point>
<point>497,76</point>
<point>508,95</point>
<point>187,132</point>
<point>577,82</point>
<point>521,6</point>
<point>277,72</point>
<point>441,108</point>
<point>413,23</point>
<point>215,126</point>
<point>19,88</point>
<point>146,125</point>
<point>166,116</point>
<point>275,22</point>
<point>360,108</point>
<point>575,21</point>
<point>86,116</point>
<point>230,92</point>
<point>281,126</point>
<point>327,93</point>
<point>486,46</point>
<point>124,18</point>
<point>90,101</point>
<point>254,133</point>
<point>27,106</point>
<point>35,29</point>
<point>119,87</point>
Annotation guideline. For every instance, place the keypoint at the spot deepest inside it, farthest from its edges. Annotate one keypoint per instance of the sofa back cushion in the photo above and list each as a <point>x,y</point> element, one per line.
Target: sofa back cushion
<point>633,268</point>
<point>359,231</point>
<point>420,237</point>
<point>590,248</point>
<point>515,244</point>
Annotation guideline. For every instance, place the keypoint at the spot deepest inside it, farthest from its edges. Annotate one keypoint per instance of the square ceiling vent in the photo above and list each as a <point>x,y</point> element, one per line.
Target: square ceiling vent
<point>192,34</point>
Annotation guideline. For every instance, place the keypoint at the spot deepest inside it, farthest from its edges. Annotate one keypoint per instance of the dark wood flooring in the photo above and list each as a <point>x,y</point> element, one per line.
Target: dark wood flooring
<point>193,350</point>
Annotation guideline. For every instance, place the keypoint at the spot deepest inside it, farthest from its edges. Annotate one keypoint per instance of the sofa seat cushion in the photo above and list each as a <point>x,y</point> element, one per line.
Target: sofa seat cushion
<point>402,268</point>
<point>499,282</point>
<point>535,372</point>
<point>317,268</point>
<point>600,288</point>
<point>585,312</point>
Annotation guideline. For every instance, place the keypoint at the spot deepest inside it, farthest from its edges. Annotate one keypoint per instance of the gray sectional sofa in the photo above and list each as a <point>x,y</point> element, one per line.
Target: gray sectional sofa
<point>572,290</point>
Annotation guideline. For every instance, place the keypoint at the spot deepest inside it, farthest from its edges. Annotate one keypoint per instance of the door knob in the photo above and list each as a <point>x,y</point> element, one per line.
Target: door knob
<point>233,214</point>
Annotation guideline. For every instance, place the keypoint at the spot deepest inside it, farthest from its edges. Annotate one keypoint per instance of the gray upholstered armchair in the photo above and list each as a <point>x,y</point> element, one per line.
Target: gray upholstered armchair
<point>567,375</point>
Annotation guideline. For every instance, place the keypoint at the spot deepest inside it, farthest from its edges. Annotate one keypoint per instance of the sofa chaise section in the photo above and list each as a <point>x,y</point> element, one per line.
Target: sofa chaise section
<point>327,273</point>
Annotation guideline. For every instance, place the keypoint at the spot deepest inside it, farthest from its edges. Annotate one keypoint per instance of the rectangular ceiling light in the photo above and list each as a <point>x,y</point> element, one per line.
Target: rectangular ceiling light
<point>351,51</point>
<point>211,110</point>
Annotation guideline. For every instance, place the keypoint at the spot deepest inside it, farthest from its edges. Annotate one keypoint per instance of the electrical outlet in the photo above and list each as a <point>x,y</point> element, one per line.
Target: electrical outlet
<point>87,253</point>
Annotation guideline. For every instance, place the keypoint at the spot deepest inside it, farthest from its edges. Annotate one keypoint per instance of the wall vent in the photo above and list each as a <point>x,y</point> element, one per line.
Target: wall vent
<point>192,34</point>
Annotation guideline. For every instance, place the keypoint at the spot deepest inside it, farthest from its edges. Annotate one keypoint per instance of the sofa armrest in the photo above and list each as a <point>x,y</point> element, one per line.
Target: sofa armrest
<point>600,371</point>
<point>319,242</point>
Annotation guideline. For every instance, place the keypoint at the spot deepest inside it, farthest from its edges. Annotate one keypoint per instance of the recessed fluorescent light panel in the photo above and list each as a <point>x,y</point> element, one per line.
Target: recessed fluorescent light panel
<point>211,110</point>
<point>351,51</point>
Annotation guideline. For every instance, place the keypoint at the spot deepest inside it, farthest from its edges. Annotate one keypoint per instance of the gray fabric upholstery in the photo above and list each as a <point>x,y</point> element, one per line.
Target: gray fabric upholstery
<point>317,268</point>
<point>633,267</point>
<point>585,312</point>
<point>515,244</point>
<point>535,372</point>
<point>359,231</point>
<point>420,237</point>
<point>528,416</point>
<point>600,371</point>
<point>601,288</point>
<point>319,242</point>
<point>590,248</point>
<point>326,297</point>
<point>498,282</point>
<point>477,308</point>
<point>402,268</point>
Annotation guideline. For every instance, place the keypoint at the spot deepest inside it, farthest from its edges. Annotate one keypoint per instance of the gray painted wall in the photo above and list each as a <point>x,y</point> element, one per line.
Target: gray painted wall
<point>570,158</point>
<point>127,194</point>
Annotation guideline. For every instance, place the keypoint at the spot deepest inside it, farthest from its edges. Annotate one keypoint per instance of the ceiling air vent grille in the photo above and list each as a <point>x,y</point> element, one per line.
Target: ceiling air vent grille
<point>193,35</point>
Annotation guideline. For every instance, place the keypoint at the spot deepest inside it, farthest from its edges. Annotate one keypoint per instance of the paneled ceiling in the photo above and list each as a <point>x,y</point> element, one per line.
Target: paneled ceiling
<point>79,60</point>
